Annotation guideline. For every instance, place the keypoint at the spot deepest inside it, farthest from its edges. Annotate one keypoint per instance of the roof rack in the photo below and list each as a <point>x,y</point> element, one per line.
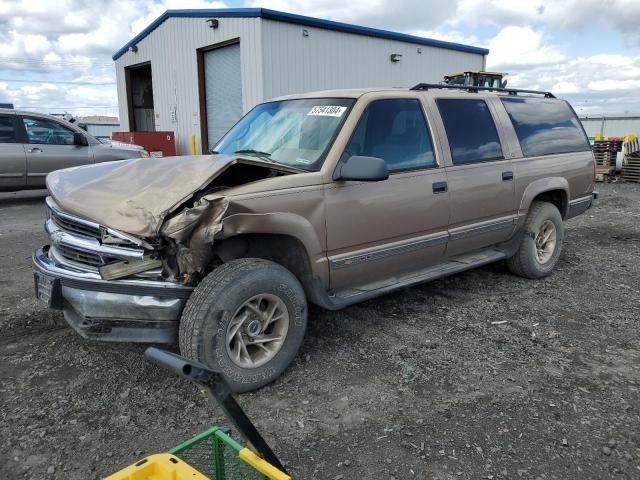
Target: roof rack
<point>472,89</point>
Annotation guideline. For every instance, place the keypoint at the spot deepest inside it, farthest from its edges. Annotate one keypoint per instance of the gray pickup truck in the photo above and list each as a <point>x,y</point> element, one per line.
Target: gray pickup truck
<point>33,145</point>
<point>331,197</point>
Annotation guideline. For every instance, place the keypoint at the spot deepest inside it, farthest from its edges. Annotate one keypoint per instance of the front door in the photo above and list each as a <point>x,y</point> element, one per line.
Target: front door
<point>481,187</point>
<point>378,232</point>
<point>13,162</point>
<point>50,147</point>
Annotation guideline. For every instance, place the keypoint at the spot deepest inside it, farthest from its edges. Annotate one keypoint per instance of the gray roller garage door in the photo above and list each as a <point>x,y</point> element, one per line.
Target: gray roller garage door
<point>223,90</point>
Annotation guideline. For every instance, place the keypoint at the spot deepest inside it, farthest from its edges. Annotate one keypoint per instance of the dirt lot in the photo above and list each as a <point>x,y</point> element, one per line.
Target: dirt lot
<point>417,384</point>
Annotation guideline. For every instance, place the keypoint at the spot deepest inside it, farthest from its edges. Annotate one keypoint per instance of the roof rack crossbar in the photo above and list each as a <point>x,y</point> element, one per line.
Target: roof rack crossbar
<point>510,91</point>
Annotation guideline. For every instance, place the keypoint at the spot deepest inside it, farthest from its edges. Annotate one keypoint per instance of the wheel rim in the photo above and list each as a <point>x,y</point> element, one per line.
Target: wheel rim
<point>257,330</point>
<point>546,240</point>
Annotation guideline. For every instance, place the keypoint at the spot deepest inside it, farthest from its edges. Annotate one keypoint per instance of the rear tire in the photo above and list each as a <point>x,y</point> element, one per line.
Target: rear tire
<point>226,323</point>
<point>541,243</point>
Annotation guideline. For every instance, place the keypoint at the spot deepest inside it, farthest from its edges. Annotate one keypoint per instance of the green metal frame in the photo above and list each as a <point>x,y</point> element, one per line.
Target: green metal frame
<point>217,468</point>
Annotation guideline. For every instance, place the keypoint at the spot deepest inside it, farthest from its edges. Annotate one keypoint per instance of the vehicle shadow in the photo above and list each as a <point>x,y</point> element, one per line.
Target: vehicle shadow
<point>23,197</point>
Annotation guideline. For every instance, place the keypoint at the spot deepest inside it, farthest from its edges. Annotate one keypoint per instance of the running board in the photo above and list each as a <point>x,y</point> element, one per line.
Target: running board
<point>452,265</point>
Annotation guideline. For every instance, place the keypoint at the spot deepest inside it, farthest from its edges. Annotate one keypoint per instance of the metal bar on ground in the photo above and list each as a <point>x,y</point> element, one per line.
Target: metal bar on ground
<point>218,388</point>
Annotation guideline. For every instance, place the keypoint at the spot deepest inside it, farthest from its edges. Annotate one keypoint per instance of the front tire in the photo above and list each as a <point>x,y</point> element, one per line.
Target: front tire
<point>247,318</point>
<point>541,243</point>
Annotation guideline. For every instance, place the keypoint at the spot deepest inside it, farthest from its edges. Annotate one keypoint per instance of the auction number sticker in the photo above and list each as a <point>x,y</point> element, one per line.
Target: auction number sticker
<point>327,110</point>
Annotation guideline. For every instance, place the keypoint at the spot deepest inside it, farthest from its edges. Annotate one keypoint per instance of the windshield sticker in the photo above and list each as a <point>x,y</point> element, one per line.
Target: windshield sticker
<point>327,110</point>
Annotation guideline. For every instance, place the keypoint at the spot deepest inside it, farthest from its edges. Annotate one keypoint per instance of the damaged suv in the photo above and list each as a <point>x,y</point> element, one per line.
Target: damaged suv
<point>330,198</point>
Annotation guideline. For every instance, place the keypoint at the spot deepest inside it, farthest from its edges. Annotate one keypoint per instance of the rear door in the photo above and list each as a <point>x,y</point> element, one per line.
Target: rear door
<point>379,232</point>
<point>50,147</point>
<point>13,162</point>
<point>480,175</point>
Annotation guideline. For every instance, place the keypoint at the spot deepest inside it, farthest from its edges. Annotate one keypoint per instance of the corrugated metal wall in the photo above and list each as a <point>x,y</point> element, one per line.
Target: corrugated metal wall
<point>617,126</point>
<point>327,59</point>
<point>276,60</point>
<point>171,48</point>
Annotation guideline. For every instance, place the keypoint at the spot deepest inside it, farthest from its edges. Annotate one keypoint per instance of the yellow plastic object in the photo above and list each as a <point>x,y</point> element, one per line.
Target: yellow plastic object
<point>598,137</point>
<point>192,143</point>
<point>262,466</point>
<point>162,466</point>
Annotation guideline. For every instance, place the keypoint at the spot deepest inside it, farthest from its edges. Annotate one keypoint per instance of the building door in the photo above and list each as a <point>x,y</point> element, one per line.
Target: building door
<point>139,85</point>
<point>223,90</point>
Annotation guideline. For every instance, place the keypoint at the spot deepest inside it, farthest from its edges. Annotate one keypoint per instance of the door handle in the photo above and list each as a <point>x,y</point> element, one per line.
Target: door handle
<point>439,187</point>
<point>506,176</point>
<point>34,150</point>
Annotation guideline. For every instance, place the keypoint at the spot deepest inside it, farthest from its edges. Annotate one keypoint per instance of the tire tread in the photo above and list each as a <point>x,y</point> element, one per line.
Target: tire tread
<point>212,285</point>
<point>521,264</point>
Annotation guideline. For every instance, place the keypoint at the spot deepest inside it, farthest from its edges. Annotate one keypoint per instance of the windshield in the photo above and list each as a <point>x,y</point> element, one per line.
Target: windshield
<point>296,133</point>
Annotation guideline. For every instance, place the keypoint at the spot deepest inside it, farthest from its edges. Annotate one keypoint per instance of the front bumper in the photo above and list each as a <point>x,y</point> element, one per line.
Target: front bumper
<point>114,311</point>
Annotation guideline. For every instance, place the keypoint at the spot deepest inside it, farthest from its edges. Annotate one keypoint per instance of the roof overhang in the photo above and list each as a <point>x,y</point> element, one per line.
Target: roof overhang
<point>298,20</point>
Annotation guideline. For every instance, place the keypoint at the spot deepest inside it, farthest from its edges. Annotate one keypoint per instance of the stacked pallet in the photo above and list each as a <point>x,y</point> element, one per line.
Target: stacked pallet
<point>631,163</point>
<point>605,151</point>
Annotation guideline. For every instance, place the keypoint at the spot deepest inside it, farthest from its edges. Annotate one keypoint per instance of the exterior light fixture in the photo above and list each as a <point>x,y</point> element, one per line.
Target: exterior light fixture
<point>305,32</point>
<point>134,48</point>
<point>213,23</point>
<point>396,57</point>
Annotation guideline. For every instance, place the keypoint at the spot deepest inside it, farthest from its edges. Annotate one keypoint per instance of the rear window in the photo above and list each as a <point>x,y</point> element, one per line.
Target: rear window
<point>470,130</point>
<point>545,126</point>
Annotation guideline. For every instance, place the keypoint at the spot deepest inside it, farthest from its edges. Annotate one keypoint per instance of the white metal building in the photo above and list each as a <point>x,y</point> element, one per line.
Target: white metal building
<point>99,126</point>
<point>611,125</point>
<point>198,71</point>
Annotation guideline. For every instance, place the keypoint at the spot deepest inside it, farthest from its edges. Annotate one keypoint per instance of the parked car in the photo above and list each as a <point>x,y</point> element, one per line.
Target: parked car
<point>33,145</point>
<point>330,198</point>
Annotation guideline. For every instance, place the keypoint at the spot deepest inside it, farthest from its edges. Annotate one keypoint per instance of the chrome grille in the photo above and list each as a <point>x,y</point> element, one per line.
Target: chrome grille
<point>85,245</point>
<point>86,258</point>
<point>71,226</point>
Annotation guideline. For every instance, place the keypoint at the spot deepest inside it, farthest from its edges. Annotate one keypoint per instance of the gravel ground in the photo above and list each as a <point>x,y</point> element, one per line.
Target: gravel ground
<point>419,384</point>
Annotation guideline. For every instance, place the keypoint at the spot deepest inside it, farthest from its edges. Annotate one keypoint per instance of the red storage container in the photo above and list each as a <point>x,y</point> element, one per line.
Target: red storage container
<point>158,144</point>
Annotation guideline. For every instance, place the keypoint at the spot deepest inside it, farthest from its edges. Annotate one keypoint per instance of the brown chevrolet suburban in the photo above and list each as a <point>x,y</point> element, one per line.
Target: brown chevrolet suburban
<point>332,198</point>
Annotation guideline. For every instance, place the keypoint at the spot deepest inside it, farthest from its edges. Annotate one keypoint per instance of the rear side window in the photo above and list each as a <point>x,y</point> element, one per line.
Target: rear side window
<point>396,131</point>
<point>7,130</point>
<point>470,129</point>
<point>545,126</point>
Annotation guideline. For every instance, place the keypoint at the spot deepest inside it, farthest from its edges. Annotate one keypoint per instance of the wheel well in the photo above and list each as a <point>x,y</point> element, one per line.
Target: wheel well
<point>556,197</point>
<point>281,249</point>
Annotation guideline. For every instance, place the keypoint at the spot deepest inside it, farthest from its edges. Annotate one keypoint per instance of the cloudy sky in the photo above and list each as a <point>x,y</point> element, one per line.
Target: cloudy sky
<point>56,55</point>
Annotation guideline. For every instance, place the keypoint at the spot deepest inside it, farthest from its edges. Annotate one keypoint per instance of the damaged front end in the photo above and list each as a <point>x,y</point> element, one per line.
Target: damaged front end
<point>117,287</point>
<point>132,286</point>
<point>111,286</point>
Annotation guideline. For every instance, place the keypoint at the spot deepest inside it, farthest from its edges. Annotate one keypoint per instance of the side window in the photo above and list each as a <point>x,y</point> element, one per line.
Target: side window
<point>396,131</point>
<point>7,129</point>
<point>545,126</point>
<point>470,129</point>
<point>49,132</point>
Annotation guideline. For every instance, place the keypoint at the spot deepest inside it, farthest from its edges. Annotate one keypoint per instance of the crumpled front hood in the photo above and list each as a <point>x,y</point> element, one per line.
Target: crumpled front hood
<point>133,196</point>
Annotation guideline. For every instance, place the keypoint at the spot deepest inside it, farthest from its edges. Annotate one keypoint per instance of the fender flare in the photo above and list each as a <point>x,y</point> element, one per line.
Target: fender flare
<point>543,185</point>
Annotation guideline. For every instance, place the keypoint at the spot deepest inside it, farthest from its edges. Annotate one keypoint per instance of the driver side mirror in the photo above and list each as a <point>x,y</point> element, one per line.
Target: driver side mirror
<point>79,139</point>
<point>362,169</point>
